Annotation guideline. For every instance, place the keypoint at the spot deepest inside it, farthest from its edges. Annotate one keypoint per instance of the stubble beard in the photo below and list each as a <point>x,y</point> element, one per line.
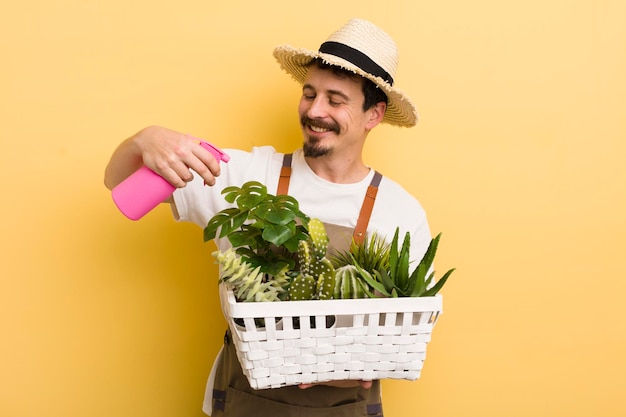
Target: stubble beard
<point>313,149</point>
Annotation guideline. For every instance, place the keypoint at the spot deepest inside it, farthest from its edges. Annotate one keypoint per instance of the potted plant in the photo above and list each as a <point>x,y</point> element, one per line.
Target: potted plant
<point>265,229</point>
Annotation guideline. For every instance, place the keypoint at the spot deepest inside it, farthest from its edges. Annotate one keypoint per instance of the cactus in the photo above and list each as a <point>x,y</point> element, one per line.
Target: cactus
<point>302,288</point>
<point>348,283</point>
<point>318,238</point>
<point>316,279</point>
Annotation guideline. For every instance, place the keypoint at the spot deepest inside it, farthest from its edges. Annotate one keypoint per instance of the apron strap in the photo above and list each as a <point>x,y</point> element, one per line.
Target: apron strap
<point>366,208</point>
<point>285,175</point>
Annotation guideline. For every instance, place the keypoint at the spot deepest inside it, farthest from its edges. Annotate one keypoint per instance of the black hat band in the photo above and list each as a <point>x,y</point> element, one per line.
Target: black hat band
<point>356,57</point>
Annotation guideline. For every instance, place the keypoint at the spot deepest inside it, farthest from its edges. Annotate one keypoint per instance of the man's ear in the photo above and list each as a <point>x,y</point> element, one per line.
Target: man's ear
<point>377,112</point>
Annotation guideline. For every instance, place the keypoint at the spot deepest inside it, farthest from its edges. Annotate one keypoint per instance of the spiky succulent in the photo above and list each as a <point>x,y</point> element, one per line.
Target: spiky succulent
<point>248,282</point>
<point>399,280</point>
<point>372,254</point>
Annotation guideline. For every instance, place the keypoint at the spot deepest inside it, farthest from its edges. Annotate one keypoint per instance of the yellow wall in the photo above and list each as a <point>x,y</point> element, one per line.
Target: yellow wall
<point>518,158</point>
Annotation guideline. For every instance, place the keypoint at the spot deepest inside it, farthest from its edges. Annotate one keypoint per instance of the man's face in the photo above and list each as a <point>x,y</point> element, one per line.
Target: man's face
<point>331,113</point>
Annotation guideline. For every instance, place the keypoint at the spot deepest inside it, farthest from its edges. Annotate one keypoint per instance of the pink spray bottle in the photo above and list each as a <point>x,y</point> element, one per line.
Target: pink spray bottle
<point>145,189</point>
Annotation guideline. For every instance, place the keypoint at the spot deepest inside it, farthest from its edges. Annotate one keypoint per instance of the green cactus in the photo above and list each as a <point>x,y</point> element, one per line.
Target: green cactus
<point>325,280</point>
<point>302,288</point>
<point>316,279</point>
<point>348,283</point>
<point>319,238</point>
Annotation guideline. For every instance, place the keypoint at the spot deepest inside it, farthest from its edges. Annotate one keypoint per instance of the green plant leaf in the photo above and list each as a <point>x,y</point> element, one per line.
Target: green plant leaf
<point>418,279</point>
<point>401,276</point>
<point>246,236</point>
<point>279,210</point>
<point>385,280</point>
<point>291,244</point>
<point>247,196</point>
<point>231,193</point>
<point>393,253</point>
<point>373,283</point>
<point>278,234</point>
<point>227,220</point>
<point>435,288</point>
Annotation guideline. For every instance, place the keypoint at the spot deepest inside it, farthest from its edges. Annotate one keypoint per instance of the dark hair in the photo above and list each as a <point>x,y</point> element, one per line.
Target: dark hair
<point>372,93</point>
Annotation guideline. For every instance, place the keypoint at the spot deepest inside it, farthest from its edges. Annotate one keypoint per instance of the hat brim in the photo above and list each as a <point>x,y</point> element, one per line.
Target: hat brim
<point>400,110</point>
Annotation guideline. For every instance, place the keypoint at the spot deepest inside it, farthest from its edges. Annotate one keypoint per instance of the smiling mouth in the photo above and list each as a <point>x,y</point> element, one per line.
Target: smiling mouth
<point>317,126</point>
<point>318,129</point>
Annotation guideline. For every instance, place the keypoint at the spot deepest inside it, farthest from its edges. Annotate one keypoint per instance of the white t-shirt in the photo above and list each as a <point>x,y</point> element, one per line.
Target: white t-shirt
<point>330,202</point>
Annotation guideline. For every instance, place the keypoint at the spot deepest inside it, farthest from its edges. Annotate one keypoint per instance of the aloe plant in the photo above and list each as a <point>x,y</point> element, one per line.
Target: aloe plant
<point>398,280</point>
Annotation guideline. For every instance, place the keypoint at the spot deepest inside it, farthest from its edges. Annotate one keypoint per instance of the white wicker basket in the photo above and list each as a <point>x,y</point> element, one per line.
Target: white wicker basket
<point>369,339</point>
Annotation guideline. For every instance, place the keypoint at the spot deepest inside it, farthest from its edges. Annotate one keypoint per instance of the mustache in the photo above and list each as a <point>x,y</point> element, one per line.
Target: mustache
<point>307,121</point>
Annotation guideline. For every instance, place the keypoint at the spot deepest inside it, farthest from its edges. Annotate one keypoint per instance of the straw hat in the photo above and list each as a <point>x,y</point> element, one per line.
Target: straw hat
<point>363,48</point>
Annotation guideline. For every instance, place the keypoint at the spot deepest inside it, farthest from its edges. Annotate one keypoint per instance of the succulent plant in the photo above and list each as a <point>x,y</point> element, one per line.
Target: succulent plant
<point>348,283</point>
<point>398,280</point>
<point>316,279</point>
<point>371,254</point>
<point>248,282</point>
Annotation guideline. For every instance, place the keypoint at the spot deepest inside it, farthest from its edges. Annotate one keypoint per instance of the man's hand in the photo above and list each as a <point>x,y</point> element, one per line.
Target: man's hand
<point>340,384</point>
<point>169,153</point>
<point>172,154</point>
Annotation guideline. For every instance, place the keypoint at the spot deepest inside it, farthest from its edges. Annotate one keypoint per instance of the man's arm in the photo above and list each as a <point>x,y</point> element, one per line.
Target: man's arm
<point>169,153</point>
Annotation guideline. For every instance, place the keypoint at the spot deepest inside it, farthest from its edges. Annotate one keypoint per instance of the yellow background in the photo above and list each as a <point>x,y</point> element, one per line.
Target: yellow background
<point>518,159</point>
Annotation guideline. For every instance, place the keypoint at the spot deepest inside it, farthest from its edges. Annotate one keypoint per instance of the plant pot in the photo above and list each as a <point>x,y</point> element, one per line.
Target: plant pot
<point>328,322</point>
<point>258,322</point>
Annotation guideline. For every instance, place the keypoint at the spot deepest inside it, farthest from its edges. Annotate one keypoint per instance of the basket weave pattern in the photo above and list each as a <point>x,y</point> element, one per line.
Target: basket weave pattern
<point>318,341</point>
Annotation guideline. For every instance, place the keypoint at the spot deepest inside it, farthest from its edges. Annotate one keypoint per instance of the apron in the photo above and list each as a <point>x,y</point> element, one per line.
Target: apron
<point>232,394</point>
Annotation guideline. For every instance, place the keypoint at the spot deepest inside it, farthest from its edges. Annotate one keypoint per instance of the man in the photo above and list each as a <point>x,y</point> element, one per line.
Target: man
<point>347,90</point>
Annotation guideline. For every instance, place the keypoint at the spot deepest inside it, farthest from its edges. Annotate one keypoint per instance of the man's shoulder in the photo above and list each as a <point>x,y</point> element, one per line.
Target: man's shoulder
<point>395,194</point>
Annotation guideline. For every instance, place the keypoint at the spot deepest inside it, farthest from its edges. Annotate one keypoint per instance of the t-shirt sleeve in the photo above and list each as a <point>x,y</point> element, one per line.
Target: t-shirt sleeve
<point>198,203</point>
